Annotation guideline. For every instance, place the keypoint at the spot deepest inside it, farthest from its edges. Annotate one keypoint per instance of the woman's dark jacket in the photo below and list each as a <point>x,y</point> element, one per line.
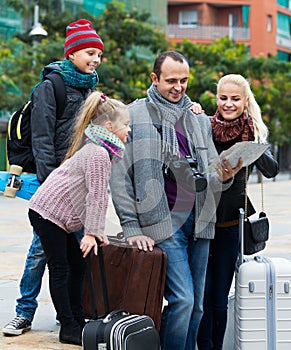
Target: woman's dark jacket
<point>51,134</point>
<point>234,198</point>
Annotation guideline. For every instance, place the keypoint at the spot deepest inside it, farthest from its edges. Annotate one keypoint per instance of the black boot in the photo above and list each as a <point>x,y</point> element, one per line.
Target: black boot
<point>71,333</point>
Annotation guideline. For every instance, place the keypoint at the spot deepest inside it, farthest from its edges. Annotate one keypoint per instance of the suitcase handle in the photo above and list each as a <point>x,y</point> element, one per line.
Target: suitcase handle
<point>113,314</point>
<point>103,281</point>
<point>241,237</point>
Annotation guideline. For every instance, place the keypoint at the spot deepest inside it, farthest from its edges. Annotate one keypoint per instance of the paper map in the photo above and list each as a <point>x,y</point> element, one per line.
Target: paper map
<point>249,152</point>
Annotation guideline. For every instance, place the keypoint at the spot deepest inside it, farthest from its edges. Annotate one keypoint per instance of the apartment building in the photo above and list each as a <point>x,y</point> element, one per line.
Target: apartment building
<point>263,25</point>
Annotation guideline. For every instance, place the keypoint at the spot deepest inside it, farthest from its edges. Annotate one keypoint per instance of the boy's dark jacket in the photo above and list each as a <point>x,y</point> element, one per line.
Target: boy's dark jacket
<point>51,134</point>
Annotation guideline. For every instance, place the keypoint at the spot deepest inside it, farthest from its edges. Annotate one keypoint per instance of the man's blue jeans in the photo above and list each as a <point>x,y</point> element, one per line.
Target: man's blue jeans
<point>184,289</point>
<point>30,283</point>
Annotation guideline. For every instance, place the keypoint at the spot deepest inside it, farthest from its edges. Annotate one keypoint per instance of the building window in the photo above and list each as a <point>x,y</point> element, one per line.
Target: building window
<point>269,23</point>
<point>284,56</point>
<point>188,19</point>
<point>284,3</point>
<point>283,25</point>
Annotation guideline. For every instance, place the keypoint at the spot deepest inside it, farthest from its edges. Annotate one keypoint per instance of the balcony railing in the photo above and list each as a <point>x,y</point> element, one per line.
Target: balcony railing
<point>200,32</point>
<point>284,42</point>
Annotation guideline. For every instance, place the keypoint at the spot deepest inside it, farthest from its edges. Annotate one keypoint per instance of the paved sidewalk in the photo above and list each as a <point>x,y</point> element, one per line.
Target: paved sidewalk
<point>15,237</point>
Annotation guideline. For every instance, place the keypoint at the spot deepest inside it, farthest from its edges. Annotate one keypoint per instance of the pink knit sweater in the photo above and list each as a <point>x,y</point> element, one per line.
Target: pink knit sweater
<point>75,194</point>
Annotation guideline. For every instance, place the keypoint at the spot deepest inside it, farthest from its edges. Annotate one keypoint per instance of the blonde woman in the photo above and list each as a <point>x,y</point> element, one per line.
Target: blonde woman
<point>238,118</point>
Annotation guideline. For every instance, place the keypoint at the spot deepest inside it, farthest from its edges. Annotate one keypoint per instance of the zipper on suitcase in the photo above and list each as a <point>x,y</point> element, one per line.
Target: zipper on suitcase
<point>115,328</point>
<point>271,302</point>
<point>118,333</point>
<point>272,332</point>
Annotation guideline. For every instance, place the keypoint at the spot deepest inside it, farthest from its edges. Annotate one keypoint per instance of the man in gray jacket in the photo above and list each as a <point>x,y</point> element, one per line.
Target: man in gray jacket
<point>164,195</point>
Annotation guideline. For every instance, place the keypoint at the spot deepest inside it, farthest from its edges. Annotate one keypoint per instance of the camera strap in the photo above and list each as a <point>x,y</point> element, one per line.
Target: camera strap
<point>157,124</point>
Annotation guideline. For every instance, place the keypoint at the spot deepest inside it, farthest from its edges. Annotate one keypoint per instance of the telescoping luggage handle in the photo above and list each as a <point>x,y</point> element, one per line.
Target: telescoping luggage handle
<point>241,237</point>
<point>103,281</point>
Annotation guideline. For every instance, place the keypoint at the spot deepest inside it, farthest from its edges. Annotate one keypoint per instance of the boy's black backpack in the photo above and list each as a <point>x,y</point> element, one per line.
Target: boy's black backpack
<point>19,150</point>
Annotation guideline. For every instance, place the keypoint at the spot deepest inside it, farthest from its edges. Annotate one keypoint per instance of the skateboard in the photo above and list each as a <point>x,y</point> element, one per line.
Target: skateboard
<point>13,183</point>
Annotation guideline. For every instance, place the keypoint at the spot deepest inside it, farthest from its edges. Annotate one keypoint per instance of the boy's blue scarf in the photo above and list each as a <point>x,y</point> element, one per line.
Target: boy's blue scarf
<point>73,76</point>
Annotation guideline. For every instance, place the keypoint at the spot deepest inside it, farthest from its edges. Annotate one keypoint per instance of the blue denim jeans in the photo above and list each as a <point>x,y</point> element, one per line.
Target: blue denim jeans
<point>184,289</point>
<point>220,270</point>
<point>30,282</point>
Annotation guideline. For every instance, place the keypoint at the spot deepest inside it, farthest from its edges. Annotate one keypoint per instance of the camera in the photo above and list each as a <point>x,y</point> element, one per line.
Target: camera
<point>186,172</point>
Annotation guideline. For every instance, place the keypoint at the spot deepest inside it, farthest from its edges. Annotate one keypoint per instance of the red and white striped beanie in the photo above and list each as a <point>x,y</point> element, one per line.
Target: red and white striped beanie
<point>81,35</point>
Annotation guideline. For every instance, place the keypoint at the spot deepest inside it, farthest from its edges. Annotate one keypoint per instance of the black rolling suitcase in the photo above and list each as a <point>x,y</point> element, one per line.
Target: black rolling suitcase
<point>118,330</point>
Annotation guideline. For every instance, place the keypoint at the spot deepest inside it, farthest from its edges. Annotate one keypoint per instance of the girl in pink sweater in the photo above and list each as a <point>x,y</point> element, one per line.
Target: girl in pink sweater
<point>75,196</point>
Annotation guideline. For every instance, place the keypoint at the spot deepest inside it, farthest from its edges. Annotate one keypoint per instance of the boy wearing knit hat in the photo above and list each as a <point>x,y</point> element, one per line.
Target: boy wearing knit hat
<point>51,135</point>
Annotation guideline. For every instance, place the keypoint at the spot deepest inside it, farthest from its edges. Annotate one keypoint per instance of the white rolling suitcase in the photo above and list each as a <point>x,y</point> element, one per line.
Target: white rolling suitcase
<point>262,301</point>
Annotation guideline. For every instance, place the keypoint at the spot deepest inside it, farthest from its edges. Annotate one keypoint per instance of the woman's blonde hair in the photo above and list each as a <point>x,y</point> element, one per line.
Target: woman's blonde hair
<point>97,109</point>
<point>253,109</point>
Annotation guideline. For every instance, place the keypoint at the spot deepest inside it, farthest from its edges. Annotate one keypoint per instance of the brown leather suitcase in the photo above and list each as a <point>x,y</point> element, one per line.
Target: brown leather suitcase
<point>135,282</point>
